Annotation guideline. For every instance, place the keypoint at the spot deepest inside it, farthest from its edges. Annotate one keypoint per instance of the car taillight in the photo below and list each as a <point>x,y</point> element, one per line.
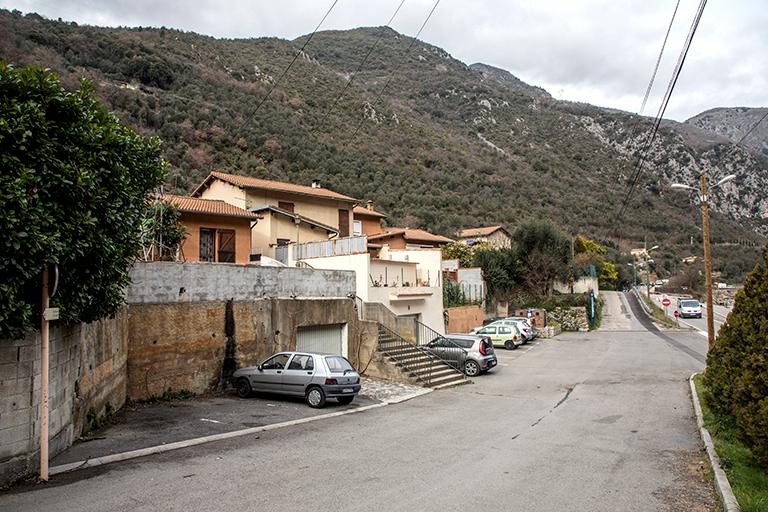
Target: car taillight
<point>330,382</point>
<point>482,348</point>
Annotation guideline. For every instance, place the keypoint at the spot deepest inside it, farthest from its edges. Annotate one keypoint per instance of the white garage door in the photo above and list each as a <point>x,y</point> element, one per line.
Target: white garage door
<point>328,339</point>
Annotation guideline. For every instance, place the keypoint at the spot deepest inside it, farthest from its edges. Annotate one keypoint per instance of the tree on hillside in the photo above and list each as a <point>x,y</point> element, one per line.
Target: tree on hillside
<point>736,379</point>
<point>546,254</point>
<point>73,181</point>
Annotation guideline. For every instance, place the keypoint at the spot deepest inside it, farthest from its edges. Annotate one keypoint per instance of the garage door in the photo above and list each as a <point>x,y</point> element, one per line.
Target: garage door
<point>328,339</point>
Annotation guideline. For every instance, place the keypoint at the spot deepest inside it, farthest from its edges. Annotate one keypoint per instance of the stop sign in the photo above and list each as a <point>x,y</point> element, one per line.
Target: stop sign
<point>666,302</point>
<point>677,313</point>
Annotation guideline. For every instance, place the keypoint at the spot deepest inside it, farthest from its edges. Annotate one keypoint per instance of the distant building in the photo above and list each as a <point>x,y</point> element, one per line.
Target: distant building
<point>407,238</point>
<point>496,236</point>
<point>366,220</point>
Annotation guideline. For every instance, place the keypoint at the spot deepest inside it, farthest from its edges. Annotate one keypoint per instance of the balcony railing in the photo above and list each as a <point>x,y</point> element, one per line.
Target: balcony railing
<point>327,248</point>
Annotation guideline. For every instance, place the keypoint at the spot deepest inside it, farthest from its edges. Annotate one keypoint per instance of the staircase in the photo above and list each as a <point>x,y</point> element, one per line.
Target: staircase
<point>417,362</point>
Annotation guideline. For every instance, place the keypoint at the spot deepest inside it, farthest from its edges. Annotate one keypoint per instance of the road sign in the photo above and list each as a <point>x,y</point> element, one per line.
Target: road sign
<point>666,302</point>
<point>677,313</point>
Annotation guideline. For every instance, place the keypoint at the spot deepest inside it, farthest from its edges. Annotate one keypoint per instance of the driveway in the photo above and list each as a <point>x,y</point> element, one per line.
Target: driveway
<point>596,421</point>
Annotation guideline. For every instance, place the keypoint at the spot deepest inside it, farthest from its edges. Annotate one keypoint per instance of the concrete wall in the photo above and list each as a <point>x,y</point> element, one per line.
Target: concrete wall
<point>87,371</point>
<point>166,282</point>
<point>190,247</point>
<point>472,283</point>
<point>582,285</point>
<point>464,318</point>
<point>181,346</point>
<point>357,263</point>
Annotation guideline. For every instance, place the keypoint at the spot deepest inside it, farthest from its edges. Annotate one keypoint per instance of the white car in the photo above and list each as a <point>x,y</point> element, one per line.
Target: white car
<point>689,308</point>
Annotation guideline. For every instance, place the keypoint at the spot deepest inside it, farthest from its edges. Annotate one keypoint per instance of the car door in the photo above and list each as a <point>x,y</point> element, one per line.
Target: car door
<point>504,334</point>
<point>492,332</point>
<point>269,374</point>
<point>298,374</point>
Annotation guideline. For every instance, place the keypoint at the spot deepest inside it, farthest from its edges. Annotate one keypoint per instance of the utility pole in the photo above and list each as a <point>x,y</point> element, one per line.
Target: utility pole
<point>707,261</point>
<point>44,359</point>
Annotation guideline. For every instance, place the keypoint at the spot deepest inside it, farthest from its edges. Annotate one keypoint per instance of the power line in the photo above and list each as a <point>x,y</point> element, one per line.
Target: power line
<point>359,66</point>
<point>394,72</point>
<point>753,128</point>
<point>658,60</point>
<point>663,106</point>
<point>285,71</point>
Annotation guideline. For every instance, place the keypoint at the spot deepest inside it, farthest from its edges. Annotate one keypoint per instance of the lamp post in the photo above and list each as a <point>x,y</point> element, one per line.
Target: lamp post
<point>648,268</point>
<point>704,198</point>
<point>634,269</point>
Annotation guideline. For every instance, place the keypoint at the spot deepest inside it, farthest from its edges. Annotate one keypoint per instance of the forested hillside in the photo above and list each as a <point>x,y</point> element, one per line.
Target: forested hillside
<point>446,145</point>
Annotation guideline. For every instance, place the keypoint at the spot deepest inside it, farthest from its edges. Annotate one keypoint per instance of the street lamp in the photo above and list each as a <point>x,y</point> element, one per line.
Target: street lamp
<point>634,268</point>
<point>648,269</point>
<point>704,198</point>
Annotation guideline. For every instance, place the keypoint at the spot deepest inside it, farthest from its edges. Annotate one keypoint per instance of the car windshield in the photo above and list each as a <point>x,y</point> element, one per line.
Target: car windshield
<point>338,364</point>
<point>690,303</point>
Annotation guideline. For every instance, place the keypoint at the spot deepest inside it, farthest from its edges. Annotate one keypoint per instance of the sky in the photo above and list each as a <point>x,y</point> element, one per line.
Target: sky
<point>596,51</point>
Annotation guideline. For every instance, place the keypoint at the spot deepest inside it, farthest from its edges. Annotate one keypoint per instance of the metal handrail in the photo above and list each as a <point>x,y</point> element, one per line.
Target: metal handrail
<point>426,335</point>
<point>401,342</point>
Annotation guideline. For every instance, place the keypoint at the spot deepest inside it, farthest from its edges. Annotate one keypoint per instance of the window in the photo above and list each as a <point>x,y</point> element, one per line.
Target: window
<point>277,362</point>
<point>302,362</point>
<point>487,330</point>
<point>207,238</point>
<point>505,330</point>
<point>459,342</point>
<point>284,205</point>
<point>357,227</point>
<point>338,364</point>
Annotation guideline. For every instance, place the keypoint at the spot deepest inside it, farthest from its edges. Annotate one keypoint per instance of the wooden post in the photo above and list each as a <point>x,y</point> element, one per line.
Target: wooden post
<point>44,360</point>
<point>707,261</point>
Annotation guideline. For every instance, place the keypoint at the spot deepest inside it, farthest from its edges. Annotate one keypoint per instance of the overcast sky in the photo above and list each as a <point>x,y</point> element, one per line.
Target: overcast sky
<point>598,51</point>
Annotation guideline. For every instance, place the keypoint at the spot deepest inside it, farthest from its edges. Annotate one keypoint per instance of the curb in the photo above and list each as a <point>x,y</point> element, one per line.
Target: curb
<point>143,452</point>
<point>722,485</point>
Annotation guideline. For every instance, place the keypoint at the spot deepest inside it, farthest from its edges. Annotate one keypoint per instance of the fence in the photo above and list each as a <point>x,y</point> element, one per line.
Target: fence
<point>327,248</point>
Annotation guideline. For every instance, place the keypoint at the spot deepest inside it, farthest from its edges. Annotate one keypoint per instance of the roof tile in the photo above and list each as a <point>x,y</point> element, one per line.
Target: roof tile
<point>278,186</point>
<point>208,206</point>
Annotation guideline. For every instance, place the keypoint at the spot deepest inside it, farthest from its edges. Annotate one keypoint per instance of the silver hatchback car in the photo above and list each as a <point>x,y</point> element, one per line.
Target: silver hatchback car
<point>314,376</point>
<point>472,354</point>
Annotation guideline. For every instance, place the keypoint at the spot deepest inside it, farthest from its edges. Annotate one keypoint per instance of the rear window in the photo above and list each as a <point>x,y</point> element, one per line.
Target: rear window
<point>463,343</point>
<point>690,303</point>
<point>337,364</point>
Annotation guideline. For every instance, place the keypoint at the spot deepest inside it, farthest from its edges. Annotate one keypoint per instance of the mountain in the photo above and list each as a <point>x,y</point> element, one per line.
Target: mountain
<point>734,123</point>
<point>445,146</point>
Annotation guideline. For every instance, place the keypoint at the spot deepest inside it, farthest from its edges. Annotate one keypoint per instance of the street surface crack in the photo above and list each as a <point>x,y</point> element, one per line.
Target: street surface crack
<point>567,394</point>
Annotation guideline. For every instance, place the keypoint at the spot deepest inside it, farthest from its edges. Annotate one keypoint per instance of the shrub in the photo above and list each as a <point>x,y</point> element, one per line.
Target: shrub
<point>736,378</point>
<point>73,181</point>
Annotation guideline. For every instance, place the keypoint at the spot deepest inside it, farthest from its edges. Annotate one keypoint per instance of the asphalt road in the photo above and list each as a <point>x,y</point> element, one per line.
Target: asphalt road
<point>700,324</point>
<point>597,421</point>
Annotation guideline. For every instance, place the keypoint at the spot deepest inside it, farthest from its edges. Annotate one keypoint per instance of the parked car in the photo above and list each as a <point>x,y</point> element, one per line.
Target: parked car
<point>524,328</point>
<point>507,336</point>
<point>528,323</point>
<point>689,308</point>
<point>472,354</point>
<point>314,376</point>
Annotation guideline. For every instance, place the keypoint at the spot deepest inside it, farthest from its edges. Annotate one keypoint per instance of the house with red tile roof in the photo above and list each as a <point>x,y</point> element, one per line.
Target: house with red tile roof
<point>216,231</point>
<point>496,236</point>
<point>292,213</point>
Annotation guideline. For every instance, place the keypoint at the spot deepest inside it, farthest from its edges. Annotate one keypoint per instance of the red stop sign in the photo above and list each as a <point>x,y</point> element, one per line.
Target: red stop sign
<point>666,302</point>
<point>677,313</point>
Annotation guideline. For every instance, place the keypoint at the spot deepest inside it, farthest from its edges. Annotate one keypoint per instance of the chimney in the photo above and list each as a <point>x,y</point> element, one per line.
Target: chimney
<point>369,205</point>
<point>316,184</point>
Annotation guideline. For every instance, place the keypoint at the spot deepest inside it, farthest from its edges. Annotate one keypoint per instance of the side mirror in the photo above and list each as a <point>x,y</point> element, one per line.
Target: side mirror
<point>260,368</point>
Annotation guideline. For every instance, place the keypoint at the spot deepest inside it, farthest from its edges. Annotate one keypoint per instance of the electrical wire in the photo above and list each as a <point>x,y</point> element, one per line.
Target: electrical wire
<point>394,72</point>
<point>359,66</point>
<point>743,138</point>
<point>662,108</point>
<point>285,71</point>
<point>658,60</point>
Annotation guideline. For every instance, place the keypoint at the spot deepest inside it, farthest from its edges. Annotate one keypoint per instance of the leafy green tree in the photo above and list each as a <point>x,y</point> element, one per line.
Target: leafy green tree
<point>736,379</point>
<point>546,254</point>
<point>73,181</point>
<point>502,269</point>
<point>162,231</point>
<point>458,251</point>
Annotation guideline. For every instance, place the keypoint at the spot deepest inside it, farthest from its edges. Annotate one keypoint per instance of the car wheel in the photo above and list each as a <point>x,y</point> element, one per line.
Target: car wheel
<point>345,400</point>
<point>243,387</point>
<point>471,368</point>
<point>510,345</point>
<point>315,397</point>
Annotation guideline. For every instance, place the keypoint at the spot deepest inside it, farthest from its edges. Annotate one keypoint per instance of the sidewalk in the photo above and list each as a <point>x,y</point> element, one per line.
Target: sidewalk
<point>151,424</point>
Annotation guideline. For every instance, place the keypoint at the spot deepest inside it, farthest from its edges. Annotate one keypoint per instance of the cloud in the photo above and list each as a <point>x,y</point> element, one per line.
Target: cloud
<point>598,51</point>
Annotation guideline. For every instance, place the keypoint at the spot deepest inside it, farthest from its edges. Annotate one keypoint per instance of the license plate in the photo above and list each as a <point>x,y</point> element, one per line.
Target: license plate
<point>346,390</point>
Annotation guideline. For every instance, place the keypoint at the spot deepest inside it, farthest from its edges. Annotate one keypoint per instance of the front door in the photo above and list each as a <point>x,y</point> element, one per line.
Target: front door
<point>269,377</point>
<point>299,374</point>
<point>226,246</point>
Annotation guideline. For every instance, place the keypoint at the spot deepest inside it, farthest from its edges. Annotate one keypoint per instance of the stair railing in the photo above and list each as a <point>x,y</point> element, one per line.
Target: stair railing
<point>397,342</point>
<point>443,347</point>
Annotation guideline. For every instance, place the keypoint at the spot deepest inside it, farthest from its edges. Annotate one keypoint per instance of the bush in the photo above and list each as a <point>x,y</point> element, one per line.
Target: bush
<point>736,378</point>
<point>73,181</point>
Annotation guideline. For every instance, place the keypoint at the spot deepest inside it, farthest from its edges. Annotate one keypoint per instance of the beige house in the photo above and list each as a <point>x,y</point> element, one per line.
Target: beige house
<point>407,238</point>
<point>367,221</point>
<point>292,213</point>
<point>496,236</point>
